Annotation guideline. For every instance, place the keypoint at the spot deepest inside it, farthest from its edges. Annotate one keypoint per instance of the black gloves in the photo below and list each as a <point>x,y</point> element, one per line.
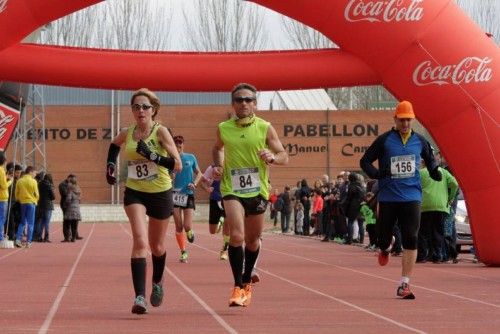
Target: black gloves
<point>110,170</point>
<point>143,149</point>
<point>436,174</point>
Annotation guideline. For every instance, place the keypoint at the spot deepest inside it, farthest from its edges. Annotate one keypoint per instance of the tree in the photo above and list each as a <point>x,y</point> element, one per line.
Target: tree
<point>485,14</point>
<point>123,24</point>
<point>301,36</point>
<point>228,25</point>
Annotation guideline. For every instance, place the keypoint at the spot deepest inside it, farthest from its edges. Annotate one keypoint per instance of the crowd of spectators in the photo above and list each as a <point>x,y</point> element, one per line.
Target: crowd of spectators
<point>30,204</point>
<point>344,209</point>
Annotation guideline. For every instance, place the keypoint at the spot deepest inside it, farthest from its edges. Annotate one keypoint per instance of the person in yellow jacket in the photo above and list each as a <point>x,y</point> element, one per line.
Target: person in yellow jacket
<point>27,195</point>
<point>5,182</point>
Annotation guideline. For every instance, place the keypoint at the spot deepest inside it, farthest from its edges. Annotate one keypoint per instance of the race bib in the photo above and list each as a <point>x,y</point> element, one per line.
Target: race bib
<point>245,180</point>
<point>142,170</point>
<point>179,198</point>
<point>403,166</point>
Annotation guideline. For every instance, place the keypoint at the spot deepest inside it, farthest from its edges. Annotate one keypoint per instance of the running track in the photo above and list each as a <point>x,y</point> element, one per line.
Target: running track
<point>307,286</point>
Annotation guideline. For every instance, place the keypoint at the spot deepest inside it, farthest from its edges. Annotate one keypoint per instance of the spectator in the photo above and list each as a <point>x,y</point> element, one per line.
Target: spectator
<point>352,205</point>
<point>317,211</point>
<point>72,206</point>
<point>286,211</point>
<point>305,194</point>
<point>436,199</point>
<point>46,205</point>
<point>27,195</point>
<point>5,181</point>
<point>13,207</point>
<point>300,218</point>
<point>63,192</point>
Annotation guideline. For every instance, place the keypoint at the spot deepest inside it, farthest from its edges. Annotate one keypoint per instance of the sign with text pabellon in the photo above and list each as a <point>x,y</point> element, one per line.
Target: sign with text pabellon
<point>8,121</point>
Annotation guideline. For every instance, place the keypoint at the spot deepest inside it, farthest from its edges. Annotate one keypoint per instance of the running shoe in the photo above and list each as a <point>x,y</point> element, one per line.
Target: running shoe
<point>223,255</point>
<point>156,297</point>
<point>405,292</point>
<point>238,297</point>
<point>18,244</point>
<point>140,306</point>
<point>255,278</point>
<point>248,294</point>
<point>184,257</point>
<point>220,225</point>
<point>28,245</point>
<point>190,236</point>
<point>383,255</point>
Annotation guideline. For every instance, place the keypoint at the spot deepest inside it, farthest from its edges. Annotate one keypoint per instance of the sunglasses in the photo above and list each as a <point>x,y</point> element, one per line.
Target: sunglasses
<point>137,107</point>
<point>241,99</point>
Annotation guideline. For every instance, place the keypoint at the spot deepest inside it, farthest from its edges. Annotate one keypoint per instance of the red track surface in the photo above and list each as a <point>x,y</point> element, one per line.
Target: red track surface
<point>307,286</point>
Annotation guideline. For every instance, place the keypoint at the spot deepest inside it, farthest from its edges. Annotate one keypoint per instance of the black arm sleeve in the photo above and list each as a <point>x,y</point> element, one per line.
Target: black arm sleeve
<point>113,153</point>
<point>166,162</point>
<point>374,152</point>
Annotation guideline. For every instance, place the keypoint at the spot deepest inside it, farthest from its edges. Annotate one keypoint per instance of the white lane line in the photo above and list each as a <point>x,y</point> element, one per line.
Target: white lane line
<point>200,301</point>
<point>341,301</point>
<point>376,315</point>
<point>12,253</point>
<point>55,306</point>
<point>17,250</point>
<point>385,279</point>
<point>214,314</point>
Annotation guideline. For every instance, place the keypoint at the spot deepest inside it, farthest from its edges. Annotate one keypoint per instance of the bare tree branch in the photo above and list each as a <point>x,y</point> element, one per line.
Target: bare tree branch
<point>227,25</point>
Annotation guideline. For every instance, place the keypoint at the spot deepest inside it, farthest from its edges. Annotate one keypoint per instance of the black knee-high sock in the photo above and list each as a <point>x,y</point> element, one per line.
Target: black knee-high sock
<point>138,266</point>
<point>250,259</point>
<point>236,261</point>
<point>158,267</point>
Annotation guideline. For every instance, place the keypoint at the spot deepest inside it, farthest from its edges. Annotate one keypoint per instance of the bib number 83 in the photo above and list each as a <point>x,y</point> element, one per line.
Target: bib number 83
<point>142,171</point>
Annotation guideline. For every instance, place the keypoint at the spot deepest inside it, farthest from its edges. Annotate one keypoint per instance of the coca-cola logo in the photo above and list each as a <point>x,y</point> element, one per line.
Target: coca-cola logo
<point>470,69</point>
<point>383,11</point>
<point>4,121</point>
<point>3,5</point>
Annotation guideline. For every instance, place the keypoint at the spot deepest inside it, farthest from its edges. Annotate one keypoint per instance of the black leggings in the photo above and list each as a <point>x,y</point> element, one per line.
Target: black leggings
<point>408,216</point>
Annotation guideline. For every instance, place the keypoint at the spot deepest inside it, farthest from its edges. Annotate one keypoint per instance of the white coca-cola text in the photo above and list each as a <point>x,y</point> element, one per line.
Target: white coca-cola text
<point>3,5</point>
<point>383,11</point>
<point>470,69</point>
<point>4,121</point>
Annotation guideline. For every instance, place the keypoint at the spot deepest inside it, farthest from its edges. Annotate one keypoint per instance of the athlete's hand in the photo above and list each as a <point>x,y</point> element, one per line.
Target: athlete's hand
<point>143,149</point>
<point>267,156</point>
<point>110,170</point>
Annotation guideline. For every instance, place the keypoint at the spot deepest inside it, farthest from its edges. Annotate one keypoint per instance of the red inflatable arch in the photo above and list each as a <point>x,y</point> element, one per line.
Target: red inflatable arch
<point>425,51</point>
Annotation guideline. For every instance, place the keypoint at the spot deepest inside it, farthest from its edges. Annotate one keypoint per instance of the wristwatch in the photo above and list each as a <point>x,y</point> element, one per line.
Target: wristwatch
<point>153,156</point>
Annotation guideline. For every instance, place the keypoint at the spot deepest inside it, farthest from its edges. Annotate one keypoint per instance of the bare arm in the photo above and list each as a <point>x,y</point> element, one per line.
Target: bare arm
<point>276,153</point>
<point>120,137</point>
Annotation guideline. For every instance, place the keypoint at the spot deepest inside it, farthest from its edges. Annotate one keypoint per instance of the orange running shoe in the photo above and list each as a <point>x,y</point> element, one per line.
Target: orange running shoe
<point>238,297</point>
<point>248,294</point>
<point>383,255</point>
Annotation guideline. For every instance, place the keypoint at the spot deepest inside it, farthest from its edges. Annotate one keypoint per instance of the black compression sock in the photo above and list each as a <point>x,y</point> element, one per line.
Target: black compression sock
<point>250,259</point>
<point>236,261</point>
<point>138,266</point>
<point>158,267</point>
